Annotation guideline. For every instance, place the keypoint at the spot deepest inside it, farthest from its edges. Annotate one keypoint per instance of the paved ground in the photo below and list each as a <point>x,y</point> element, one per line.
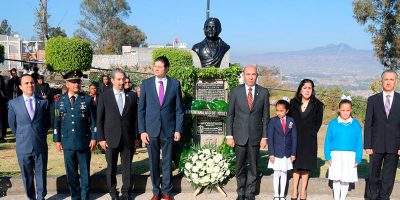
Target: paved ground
<point>181,196</point>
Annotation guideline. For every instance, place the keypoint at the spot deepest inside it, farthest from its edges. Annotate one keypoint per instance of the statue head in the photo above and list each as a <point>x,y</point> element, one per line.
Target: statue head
<point>212,28</point>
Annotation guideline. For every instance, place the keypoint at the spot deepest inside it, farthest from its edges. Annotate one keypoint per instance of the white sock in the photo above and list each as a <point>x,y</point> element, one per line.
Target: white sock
<point>283,183</point>
<point>277,175</point>
<point>336,190</point>
<point>344,188</point>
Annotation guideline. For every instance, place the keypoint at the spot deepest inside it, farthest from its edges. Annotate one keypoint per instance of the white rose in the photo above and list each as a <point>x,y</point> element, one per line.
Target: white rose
<point>226,165</point>
<point>216,169</point>
<point>201,157</point>
<point>218,158</point>
<point>194,176</point>
<point>187,174</point>
<point>212,180</point>
<point>188,166</point>
<point>209,170</point>
<point>227,172</point>
<point>195,169</point>
<point>207,151</point>
<point>199,164</point>
<point>201,173</point>
<point>194,158</point>
<point>210,162</point>
<point>220,175</point>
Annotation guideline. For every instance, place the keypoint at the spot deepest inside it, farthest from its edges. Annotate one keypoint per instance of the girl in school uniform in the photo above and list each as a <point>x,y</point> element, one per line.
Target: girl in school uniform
<point>282,143</point>
<point>343,149</point>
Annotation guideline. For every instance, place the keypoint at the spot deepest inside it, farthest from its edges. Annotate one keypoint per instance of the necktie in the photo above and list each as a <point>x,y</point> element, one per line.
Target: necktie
<point>120,103</point>
<point>31,112</point>
<point>72,101</point>
<point>387,105</point>
<point>283,122</point>
<point>161,93</point>
<point>250,98</point>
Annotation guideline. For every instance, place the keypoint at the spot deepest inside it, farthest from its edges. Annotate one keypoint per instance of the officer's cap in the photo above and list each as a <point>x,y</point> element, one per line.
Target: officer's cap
<point>73,76</point>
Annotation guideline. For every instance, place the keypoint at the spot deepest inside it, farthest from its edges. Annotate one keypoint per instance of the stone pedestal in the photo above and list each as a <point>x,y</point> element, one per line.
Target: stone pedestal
<point>209,126</point>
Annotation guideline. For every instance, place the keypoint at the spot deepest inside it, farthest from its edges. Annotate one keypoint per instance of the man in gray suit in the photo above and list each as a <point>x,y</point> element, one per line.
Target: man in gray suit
<point>29,119</point>
<point>246,130</point>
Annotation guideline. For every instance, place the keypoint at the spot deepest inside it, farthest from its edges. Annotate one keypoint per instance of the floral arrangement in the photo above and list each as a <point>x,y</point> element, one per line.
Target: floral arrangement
<point>207,166</point>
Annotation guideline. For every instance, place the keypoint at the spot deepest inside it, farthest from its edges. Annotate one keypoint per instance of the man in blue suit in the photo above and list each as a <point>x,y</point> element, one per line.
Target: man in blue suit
<point>29,119</point>
<point>160,119</point>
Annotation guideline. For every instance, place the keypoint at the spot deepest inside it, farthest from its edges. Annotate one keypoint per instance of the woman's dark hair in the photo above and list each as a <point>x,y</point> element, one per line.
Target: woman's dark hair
<point>284,103</point>
<point>302,83</point>
<point>344,101</point>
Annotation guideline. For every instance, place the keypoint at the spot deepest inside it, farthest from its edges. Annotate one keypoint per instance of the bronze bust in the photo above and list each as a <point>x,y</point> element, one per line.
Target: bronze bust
<point>212,49</point>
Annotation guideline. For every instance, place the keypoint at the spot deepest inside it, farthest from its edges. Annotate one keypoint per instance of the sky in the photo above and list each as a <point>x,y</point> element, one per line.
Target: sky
<point>249,27</point>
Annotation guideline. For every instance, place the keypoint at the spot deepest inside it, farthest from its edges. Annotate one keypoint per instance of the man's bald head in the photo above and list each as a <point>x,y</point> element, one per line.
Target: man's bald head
<point>250,75</point>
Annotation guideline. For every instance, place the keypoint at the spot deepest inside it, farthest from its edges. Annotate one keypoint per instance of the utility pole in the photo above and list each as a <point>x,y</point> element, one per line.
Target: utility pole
<point>43,10</point>
<point>208,10</point>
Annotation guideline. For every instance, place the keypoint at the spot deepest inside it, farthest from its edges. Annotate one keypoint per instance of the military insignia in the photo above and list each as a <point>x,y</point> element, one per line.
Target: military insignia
<point>83,115</point>
<point>62,105</point>
<point>83,106</point>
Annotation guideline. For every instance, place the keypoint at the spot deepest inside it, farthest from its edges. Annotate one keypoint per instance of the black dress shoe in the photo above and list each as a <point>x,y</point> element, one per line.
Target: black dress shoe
<point>251,198</point>
<point>240,198</point>
<point>126,198</point>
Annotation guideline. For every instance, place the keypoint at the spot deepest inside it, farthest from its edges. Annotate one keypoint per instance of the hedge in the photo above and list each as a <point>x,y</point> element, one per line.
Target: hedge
<point>68,54</point>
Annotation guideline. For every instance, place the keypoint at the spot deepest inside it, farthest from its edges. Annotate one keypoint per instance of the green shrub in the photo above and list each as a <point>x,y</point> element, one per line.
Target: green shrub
<point>68,54</point>
<point>1,53</point>
<point>177,57</point>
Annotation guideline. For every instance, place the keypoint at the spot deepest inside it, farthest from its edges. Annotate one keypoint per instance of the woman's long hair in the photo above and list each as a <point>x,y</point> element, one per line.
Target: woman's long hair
<point>298,95</point>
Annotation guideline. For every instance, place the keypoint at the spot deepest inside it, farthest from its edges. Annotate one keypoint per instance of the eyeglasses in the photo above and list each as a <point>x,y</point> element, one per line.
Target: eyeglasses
<point>127,82</point>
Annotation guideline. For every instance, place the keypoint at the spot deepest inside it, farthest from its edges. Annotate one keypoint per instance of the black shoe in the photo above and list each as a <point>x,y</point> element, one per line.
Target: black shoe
<point>126,198</point>
<point>251,198</point>
<point>114,196</point>
<point>240,198</point>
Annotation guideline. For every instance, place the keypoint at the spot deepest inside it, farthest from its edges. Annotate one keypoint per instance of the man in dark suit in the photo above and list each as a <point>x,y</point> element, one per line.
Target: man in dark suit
<point>382,137</point>
<point>246,129</point>
<point>29,120</point>
<point>160,118</point>
<point>13,89</point>
<point>75,135</point>
<point>105,85</point>
<point>42,89</point>
<point>117,128</point>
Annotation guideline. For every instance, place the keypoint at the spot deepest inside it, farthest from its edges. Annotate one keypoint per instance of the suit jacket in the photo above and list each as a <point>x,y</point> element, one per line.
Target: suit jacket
<point>111,126</point>
<point>282,144</point>
<point>382,134</point>
<point>154,118</point>
<point>31,135</point>
<point>74,125</point>
<point>103,88</point>
<point>42,90</point>
<point>11,84</point>
<point>248,125</point>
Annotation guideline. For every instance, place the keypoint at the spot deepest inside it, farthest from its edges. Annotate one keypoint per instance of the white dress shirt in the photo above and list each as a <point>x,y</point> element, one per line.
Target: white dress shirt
<point>27,102</point>
<point>390,98</point>
<point>157,81</point>
<point>116,93</point>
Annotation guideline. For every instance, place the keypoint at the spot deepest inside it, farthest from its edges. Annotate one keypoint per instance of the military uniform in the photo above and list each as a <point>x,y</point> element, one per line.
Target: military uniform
<point>75,127</point>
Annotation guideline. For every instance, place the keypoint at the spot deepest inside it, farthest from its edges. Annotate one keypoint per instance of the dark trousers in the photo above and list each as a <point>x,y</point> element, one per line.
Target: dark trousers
<point>246,183</point>
<point>78,183</point>
<point>385,163</point>
<point>34,165</point>
<point>165,145</point>
<point>126,162</point>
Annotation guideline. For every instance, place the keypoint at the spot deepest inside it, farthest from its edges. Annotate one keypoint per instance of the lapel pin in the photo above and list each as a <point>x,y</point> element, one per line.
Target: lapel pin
<point>126,95</point>
<point>257,93</point>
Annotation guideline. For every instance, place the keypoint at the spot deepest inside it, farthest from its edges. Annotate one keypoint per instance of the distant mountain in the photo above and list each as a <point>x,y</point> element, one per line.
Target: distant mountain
<point>331,59</point>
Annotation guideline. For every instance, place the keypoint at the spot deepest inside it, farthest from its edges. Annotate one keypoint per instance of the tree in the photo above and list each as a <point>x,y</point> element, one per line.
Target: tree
<point>41,25</point>
<point>64,54</point>
<point>123,35</point>
<point>5,28</point>
<point>382,18</point>
<point>56,31</point>
<point>102,23</point>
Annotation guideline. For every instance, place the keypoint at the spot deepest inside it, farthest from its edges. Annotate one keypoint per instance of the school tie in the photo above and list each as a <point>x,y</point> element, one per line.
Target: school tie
<point>30,109</point>
<point>161,93</point>
<point>120,103</point>
<point>250,98</point>
<point>387,106</point>
<point>283,125</point>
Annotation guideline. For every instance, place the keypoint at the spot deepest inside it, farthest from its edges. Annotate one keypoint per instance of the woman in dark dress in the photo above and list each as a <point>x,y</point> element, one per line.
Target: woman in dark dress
<point>307,111</point>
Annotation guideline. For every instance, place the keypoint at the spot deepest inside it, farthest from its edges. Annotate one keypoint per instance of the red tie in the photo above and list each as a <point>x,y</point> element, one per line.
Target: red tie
<point>250,98</point>
<point>283,125</point>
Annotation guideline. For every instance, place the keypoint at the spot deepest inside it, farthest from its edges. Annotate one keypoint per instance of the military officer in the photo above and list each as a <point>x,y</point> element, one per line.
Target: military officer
<point>75,134</point>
